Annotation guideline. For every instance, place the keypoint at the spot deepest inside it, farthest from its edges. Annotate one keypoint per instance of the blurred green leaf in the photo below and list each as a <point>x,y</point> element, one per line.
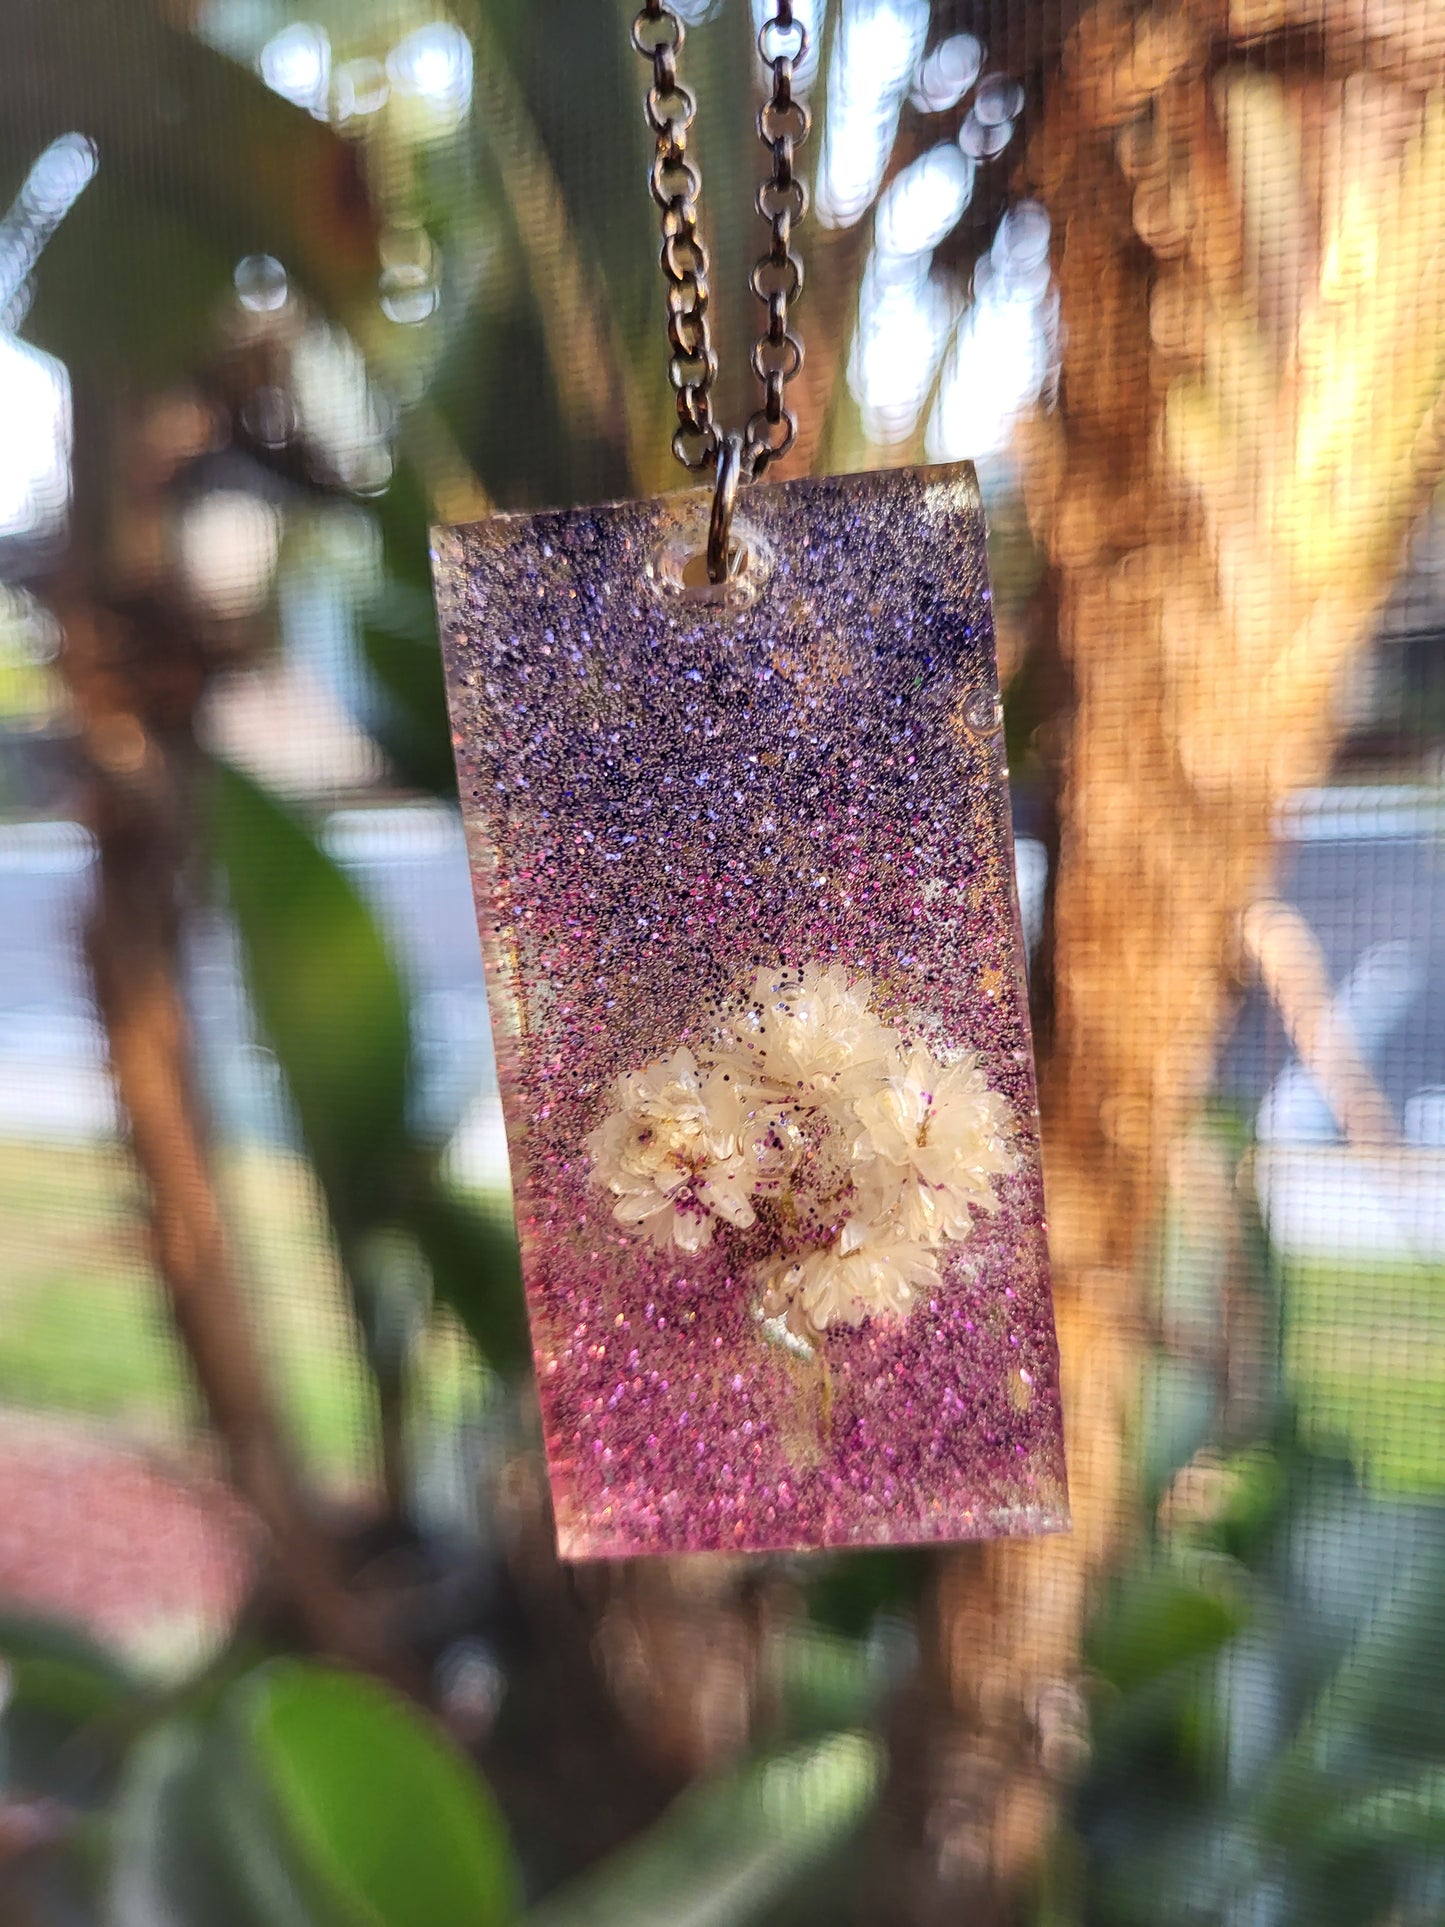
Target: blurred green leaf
<point>849,1591</point>
<point>826,1680</point>
<point>403,517</point>
<point>1256,1494</point>
<point>169,1865</point>
<point>327,993</point>
<point>58,1663</point>
<point>1287,1771</point>
<point>62,1695</point>
<point>1412,1815</point>
<point>1159,1621</point>
<point>199,164</point>
<point>726,1852</point>
<point>400,644</point>
<point>336,1011</point>
<point>409,719</point>
<point>471,1252</point>
<point>385,1824</point>
<point>304,1797</point>
<point>607,424</point>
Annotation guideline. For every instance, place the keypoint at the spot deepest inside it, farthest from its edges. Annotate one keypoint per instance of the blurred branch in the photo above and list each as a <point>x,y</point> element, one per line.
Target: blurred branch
<point>1292,968</point>
<point>136,670</point>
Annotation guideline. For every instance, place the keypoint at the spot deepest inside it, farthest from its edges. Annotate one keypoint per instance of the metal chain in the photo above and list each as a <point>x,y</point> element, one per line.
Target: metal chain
<point>776,280</point>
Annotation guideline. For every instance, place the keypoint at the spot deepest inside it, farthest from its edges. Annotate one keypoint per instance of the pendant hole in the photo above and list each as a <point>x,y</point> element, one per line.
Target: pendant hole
<point>677,571</point>
<point>694,570</point>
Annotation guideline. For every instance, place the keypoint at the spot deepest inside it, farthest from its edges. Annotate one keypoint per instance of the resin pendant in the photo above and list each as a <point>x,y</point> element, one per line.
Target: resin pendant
<point>744,876</point>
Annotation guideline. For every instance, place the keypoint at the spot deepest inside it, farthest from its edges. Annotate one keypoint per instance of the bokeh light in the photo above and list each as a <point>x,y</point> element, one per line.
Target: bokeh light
<point>905,314</point>
<point>925,201</point>
<point>876,50</point>
<point>296,64</point>
<point>227,545</point>
<point>261,283</point>
<point>947,73</point>
<point>433,64</point>
<point>1004,352</point>
<point>35,447</point>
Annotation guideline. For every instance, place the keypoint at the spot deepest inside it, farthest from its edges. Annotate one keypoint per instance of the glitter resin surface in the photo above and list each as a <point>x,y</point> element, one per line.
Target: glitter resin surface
<point>744,878</point>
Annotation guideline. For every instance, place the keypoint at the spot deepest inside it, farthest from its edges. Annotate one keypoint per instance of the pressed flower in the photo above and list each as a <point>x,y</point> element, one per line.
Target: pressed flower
<point>862,1155</point>
<point>672,1153</point>
<point>860,1275</point>
<point>806,1031</point>
<point>932,1139</point>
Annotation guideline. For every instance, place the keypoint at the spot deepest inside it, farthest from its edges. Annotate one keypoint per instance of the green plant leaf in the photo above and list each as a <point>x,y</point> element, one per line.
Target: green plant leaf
<point>335,1009</point>
<point>198,164</point>
<point>471,1251</point>
<point>328,995</point>
<point>1159,1621</point>
<point>1412,1815</point>
<point>63,1695</point>
<point>403,515</point>
<point>725,1853</point>
<point>384,1824</point>
<point>828,1680</point>
<point>848,1592</point>
<point>607,410</point>
<point>399,642</point>
<point>169,1866</point>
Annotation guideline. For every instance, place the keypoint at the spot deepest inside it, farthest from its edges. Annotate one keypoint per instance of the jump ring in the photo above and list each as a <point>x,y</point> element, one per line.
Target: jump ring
<point>724,501</point>
<point>787,363</point>
<point>671,37</point>
<point>776,118</point>
<point>674,164</point>
<point>659,118</point>
<point>764,450</point>
<point>773,196</point>
<point>694,447</point>
<point>794,50</point>
<point>789,281</point>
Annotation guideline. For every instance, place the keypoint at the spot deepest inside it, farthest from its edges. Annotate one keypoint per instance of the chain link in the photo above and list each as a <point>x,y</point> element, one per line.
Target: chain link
<point>777,278</point>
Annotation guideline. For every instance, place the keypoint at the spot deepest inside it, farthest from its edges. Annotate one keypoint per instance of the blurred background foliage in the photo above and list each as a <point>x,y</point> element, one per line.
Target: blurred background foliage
<point>282,284</point>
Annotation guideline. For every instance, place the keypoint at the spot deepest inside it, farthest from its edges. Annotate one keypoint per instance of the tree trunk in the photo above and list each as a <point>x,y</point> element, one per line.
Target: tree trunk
<point>1253,304</point>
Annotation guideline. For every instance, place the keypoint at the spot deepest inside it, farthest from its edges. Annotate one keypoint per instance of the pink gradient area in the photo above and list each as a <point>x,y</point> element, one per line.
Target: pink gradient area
<point>662,798</point>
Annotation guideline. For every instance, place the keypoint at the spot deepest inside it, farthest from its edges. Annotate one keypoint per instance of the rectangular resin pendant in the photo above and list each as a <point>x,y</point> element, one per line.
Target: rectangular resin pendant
<point>744,875</point>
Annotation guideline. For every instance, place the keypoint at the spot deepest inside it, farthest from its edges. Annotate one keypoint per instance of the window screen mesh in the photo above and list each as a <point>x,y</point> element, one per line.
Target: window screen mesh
<point>280,285</point>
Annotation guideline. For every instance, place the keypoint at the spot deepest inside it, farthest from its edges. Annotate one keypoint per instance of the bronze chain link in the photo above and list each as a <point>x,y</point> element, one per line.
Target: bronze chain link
<point>776,280</point>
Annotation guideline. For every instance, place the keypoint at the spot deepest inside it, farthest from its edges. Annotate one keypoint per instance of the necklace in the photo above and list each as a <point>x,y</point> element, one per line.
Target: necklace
<point>776,280</point>
<point>731,769</point>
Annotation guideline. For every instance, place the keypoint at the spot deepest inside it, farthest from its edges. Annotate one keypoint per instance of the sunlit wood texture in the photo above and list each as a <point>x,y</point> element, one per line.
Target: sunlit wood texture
<point>1251,256</point>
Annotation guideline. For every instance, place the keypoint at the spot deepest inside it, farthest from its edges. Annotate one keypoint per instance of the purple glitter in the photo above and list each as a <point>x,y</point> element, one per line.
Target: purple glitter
<point>663,795</point>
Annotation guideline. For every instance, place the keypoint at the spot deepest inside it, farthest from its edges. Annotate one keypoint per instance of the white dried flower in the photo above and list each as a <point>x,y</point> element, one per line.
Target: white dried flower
<point>804,1032</point>
<point>933,1138</point>
<point>672,1153</point>
<point>861,1275</point>
<point>862,1155</point>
